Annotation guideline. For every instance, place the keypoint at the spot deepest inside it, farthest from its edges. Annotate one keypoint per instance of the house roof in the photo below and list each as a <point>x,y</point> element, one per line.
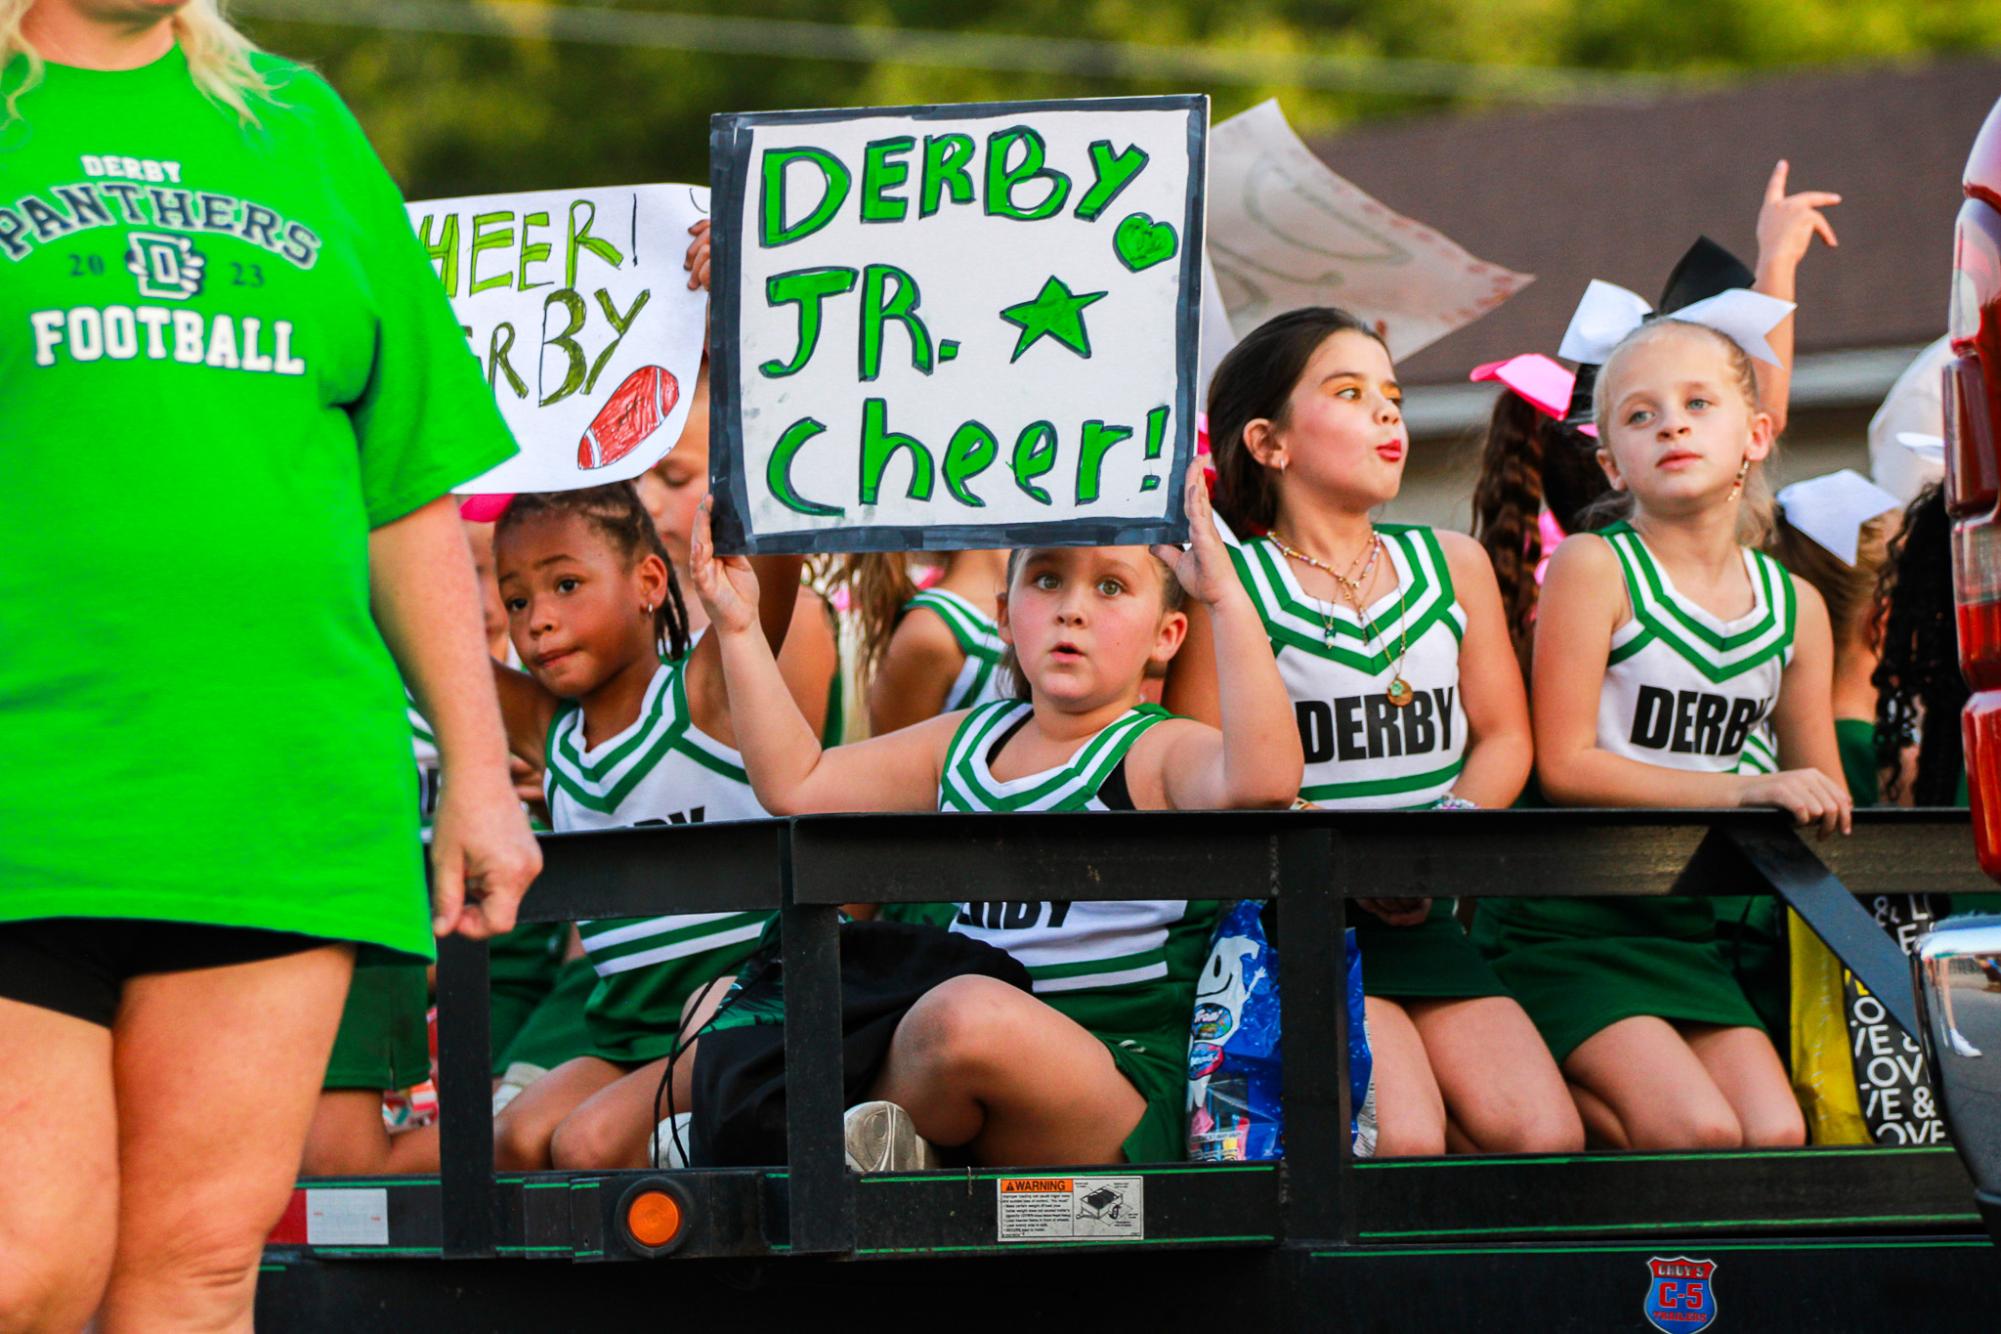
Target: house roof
<point>1619,192</point>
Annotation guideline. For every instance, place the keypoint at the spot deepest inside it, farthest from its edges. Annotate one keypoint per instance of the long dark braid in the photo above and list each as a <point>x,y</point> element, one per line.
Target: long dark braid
<point>1919,691</point>
<point>1527,462</point>
<point>616,511</point>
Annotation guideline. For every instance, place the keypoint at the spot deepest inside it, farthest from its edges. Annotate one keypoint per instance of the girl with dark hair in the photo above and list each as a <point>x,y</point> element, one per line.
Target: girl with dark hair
<point>631,727</point>
<point>1394,652</point>
<point>1920,690</point>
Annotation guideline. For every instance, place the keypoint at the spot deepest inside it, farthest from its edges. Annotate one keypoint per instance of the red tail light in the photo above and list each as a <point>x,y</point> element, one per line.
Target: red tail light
<point>1973,476</point>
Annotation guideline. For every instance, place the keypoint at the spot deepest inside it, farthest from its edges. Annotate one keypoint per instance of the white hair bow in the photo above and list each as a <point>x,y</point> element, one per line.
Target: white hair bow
<point>1609,312</point>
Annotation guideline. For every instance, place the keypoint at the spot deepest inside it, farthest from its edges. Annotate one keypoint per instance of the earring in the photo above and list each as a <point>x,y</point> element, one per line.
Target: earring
<point>646,607</point>
<point>1743,470</point>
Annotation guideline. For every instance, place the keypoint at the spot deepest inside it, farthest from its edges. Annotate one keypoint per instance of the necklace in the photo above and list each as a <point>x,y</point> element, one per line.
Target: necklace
<point>1351,586</point>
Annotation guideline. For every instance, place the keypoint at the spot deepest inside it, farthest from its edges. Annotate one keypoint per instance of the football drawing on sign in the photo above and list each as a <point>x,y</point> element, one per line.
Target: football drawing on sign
<point>578,308</point>
<point>629,417</point>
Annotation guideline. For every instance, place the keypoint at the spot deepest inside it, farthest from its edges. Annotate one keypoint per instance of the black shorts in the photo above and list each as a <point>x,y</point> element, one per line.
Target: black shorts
<point>79,965</point>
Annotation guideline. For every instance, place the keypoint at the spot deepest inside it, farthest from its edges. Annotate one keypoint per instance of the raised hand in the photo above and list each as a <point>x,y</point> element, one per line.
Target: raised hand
<point>1204,567</point>
<point>1787,223</point>
<point>726,585</point>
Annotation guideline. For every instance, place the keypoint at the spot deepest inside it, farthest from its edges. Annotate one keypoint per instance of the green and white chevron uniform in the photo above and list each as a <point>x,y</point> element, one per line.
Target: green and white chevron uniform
<point>980,680</point>
<point>1362,751</point>
<point>1685,689</point>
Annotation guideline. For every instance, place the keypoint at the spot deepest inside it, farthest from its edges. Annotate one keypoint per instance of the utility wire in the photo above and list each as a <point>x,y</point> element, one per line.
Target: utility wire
<point>867,43</point>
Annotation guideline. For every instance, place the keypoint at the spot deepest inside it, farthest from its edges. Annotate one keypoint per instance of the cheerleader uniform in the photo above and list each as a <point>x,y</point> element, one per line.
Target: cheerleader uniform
<point>1125,971</point>
<point>980,680</point>
<point>660,770</point>
<point>1364,752</point>
<point>1683,690</point>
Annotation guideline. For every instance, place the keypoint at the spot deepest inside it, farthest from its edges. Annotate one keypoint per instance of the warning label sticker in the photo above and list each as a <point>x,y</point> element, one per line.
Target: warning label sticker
<point>1067,1208</point>
<point>347,1217</point>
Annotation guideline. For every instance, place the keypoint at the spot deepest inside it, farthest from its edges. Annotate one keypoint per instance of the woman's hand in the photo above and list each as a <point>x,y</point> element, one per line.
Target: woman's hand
<point>697,261</point>
<point>1787,223</point>
<point>1204,567</point>
<point>483,858</point>
<point>1397,912</point>
<point>1811,796</point>
<point>726,585</point>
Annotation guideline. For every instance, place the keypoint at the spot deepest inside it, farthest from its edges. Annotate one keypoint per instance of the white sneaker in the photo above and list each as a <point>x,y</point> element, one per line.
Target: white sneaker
<point>670,1140</point>
<point>1960,1046</point>
<point>881,1137</point>
<point>519,1076</point>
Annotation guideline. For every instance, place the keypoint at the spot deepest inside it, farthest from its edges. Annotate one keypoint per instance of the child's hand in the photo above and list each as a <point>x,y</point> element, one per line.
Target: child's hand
<point>1397,912</point>
<point>1204,568</point>
<point>1787,223</point>
<point>1809,794</point>
<point>697,262</point>
<point>726,585</point>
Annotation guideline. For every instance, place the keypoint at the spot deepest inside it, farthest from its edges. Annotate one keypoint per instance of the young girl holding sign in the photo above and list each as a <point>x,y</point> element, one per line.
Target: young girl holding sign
<point>1661,642</point>
<point>632,728</point>
<point>1394,653</point>
<point>976,1062</point>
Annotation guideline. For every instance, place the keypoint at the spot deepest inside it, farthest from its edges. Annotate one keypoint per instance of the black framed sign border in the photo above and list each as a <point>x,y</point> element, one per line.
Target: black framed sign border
<point>729,172</point>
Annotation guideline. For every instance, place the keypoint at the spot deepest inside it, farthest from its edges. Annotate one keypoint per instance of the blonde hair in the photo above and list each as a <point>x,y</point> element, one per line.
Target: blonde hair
<point>1757,510</point>
<point>218,55</point>
<point>1848,590</point>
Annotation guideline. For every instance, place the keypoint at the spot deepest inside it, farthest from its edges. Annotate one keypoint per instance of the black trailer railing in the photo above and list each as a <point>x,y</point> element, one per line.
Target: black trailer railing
<point>1318,1200</point>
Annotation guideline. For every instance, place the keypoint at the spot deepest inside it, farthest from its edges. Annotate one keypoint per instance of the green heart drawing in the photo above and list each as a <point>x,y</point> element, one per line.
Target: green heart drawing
<point>1143,243</point>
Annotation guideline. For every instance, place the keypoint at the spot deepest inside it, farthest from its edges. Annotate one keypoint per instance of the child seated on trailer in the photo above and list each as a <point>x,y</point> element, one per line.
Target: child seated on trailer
<point>1661,642</point>
<point>1090,1068</point>
<point>633,727</point>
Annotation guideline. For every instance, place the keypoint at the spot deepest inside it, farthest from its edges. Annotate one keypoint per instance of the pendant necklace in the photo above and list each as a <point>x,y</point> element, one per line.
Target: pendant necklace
<point>1351,586</point>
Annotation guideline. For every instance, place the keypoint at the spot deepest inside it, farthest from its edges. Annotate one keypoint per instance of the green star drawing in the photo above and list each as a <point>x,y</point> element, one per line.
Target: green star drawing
<point>1056,311</point>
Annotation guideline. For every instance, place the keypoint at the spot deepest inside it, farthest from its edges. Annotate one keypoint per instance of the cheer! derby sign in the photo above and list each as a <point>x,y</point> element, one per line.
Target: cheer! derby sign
<point>958,326</point>
<point>578,308</point>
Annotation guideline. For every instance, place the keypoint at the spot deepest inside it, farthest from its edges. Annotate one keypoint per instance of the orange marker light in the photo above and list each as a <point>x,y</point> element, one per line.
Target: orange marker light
<point>653,1217</point>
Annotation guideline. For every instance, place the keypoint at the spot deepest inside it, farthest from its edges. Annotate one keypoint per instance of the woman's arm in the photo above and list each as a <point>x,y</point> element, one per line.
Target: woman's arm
<point>1499,747</point>
<point>426,601</point>
<point>1255,759</point>
<point>915,675</point>
<point>789,771</point>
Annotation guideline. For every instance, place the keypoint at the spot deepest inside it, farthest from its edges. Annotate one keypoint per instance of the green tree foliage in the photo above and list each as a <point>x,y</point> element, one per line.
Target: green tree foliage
<point>456,114</point>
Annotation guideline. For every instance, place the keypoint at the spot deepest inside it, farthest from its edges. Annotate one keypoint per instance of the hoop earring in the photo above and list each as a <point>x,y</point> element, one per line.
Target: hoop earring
<point>1743,471</point>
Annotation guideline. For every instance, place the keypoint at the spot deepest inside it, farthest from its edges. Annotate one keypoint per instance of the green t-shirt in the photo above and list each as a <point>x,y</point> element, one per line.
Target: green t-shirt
<point>224,359</point>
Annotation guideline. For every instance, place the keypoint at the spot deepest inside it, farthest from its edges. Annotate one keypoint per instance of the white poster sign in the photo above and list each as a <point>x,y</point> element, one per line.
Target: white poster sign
<point>956,326</point>
<point>577,306</point>
<point>1286,232</point>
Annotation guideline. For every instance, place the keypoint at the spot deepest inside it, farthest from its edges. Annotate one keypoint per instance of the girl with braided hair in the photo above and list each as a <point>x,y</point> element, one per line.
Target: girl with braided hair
<point>632,726</point>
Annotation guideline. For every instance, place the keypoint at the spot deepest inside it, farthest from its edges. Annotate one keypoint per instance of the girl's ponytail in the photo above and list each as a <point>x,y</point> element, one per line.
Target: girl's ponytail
<point>878,584</point>
<point>1507,507</point>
